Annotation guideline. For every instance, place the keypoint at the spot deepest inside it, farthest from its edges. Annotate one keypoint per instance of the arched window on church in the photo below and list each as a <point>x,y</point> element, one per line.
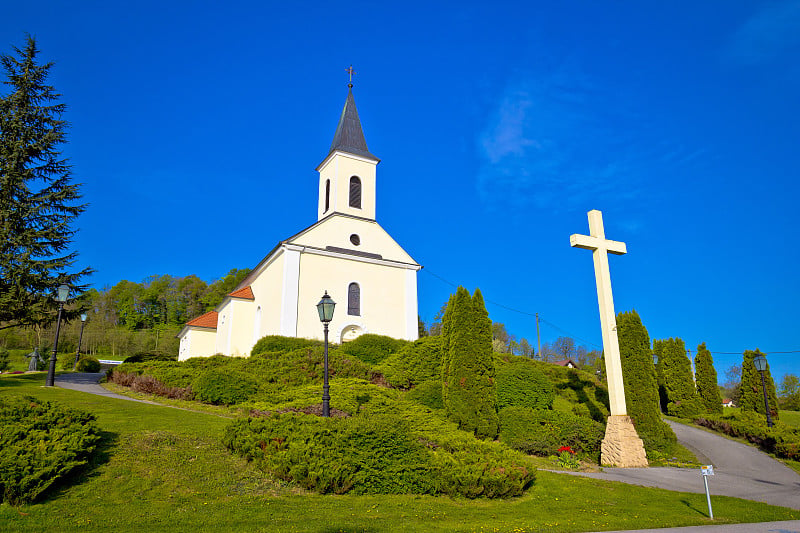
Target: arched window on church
<point>327,195</point>
<point>355,192</point>
<point>354,299</point>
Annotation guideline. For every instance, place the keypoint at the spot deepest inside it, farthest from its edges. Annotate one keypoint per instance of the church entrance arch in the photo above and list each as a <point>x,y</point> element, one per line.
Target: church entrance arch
<point>350,332</point>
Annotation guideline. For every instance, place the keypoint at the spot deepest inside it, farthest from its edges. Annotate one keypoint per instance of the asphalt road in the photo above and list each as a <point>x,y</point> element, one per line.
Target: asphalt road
<point>88,382</point>
<point>740,470</point>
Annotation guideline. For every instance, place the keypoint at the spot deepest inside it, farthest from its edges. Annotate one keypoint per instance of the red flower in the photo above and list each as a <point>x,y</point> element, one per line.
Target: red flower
<point>566,449</point>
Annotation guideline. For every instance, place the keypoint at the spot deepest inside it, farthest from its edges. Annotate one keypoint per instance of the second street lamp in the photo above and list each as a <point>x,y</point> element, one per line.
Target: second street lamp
<point>760,363</point>
<point>63,294</point>
<point>325,309</point>
<point>80,338</point>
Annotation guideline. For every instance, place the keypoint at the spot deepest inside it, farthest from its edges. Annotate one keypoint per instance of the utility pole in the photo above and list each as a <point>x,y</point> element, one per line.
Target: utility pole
<point>539,337</point>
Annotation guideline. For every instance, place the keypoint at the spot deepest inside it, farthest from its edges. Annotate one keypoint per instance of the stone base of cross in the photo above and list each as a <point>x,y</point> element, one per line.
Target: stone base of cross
<point>621,445</point>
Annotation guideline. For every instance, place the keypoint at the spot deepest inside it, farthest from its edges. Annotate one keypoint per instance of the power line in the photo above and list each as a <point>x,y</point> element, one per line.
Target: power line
<point>575,336</point>
<point>519,311</point>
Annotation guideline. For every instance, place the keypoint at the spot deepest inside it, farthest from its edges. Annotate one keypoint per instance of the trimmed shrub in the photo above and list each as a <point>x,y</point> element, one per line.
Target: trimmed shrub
<point>706,380</point>
<point>468,387</point>
<point>523,385</point>
<point>751,396</point>
<point>674,365</point>
<point>375,453</point>
<point>372,348</point>
<point>428,394</point>
<point>142,357</point>
<point>541,432</point>
<point>41,442</point>
<point>88,364</point>
<point>641,393</point>
<point>414,363</point>
<point>224,387</point>
<point>278,343</point>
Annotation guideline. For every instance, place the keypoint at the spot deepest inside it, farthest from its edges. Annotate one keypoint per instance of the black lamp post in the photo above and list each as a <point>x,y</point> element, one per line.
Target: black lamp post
<point>80,338</point>
<point>761,365</point>
<point>63,294</point>
<point>325,309</point>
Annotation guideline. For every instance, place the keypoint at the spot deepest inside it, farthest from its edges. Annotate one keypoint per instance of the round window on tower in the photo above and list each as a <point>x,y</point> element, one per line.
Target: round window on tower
<point>355,239</point>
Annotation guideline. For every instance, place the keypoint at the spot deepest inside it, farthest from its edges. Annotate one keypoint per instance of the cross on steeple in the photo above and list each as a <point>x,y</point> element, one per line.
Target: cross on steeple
<point>351,72</point>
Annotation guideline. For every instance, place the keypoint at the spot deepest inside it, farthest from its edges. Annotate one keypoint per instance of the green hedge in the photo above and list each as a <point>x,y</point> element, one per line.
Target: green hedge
<point>376,453</point>
<point>523,385</point>
<point>40,443</point>
<point>540,432</point>
<point>782,440</point>
<point>88,364</point>
<point>372,348</point>
<point>428,394</point>
<point>278,343</point>
<point>220,386</point>
<point>414,363</point>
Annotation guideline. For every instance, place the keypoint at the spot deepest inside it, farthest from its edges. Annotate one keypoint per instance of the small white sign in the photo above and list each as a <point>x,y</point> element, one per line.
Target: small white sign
<point>707,470</point>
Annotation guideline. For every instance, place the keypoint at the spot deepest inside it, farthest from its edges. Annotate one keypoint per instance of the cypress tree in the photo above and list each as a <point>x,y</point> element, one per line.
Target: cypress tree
<point>38,201</point>
<point>658,352</point>
<point>706,380</point>
<point>468,388</point>
<point>678,381</point>
<point>639,377</point>
<point>751,391</point>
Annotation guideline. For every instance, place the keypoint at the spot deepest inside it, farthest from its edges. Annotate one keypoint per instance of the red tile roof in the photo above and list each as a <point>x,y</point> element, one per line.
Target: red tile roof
<point>245,293</point>
<point>565,362</point>
<point>208,320</point>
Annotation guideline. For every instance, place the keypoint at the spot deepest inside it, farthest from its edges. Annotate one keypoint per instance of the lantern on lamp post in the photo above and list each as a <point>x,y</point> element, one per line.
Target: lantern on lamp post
<point>61,297</point>
<point>80,338</point>
<point>325,308</point>
<point>760,363</point>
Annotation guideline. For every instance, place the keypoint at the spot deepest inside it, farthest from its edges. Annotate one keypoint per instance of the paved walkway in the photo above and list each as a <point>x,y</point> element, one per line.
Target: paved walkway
<point>89,382</point>
<point>740,470</point>
<point>790,526</point>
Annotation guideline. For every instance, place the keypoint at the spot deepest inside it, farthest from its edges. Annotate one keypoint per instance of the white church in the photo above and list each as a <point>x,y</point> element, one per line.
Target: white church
<point>346,253</point>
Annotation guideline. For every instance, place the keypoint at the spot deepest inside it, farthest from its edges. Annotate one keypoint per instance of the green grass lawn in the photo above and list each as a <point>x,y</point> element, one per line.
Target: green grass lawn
<point>791,418</point>
<point>161,468</point>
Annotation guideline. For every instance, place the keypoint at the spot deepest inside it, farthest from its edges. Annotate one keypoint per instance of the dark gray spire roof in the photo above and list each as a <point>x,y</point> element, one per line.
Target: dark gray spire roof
<point>349,136</point>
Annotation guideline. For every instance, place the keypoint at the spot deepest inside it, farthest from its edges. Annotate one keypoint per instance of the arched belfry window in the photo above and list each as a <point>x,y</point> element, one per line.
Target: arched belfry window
<point>354,299</point>
<point>327,195</point>
<point>355,192</point>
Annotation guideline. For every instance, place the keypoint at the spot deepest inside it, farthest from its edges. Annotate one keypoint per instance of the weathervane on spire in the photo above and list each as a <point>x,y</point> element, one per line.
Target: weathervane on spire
<point>351,72</point>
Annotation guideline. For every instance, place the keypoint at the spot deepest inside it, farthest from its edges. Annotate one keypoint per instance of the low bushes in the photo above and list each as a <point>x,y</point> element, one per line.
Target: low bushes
<point>372,348</point>
<point>523,385</point>
<point>40,443</point>
<point>277,343</point>
<point>147,384</point>
<point>428,394</point>
<point>218,386</point>
<point>88,364</point>
<point>782,440</point>
<point>414,363</point>
<point>375,453</point>
<point>541,432</point>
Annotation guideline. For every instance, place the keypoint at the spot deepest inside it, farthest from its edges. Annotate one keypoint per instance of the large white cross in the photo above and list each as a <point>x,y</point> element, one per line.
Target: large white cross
<point>600,246</point>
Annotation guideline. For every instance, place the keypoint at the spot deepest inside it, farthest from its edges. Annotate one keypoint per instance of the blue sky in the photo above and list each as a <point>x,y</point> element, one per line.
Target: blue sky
<point>196,128</point>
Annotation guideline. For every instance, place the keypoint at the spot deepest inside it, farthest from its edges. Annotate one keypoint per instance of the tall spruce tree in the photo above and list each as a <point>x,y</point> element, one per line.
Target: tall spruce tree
<point>706,379</point>
<point>468,389</point>
<point>38,201</point>
<point>751,397</point>
<point>676,368</point>
<point>639,377</point>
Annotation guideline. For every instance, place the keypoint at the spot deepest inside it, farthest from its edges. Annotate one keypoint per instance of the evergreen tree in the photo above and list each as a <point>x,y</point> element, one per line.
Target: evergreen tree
<point>682,397</point>
<point>38,201</point>
<point>706,380</point>
<point>658,354</point>
<point>639,377</point>
<point>468,388</point>
<point>751,396</point>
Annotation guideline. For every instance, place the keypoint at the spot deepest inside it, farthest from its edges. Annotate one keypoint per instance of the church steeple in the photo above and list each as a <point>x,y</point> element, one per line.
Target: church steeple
<point>349,136</point>
<point>347,174</point>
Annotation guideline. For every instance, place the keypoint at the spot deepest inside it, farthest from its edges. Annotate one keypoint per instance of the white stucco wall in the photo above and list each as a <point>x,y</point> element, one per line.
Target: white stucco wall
<point>197,342</point>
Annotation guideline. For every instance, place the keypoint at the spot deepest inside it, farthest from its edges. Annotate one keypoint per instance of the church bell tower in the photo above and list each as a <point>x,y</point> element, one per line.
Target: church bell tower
<point>347,174</point>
